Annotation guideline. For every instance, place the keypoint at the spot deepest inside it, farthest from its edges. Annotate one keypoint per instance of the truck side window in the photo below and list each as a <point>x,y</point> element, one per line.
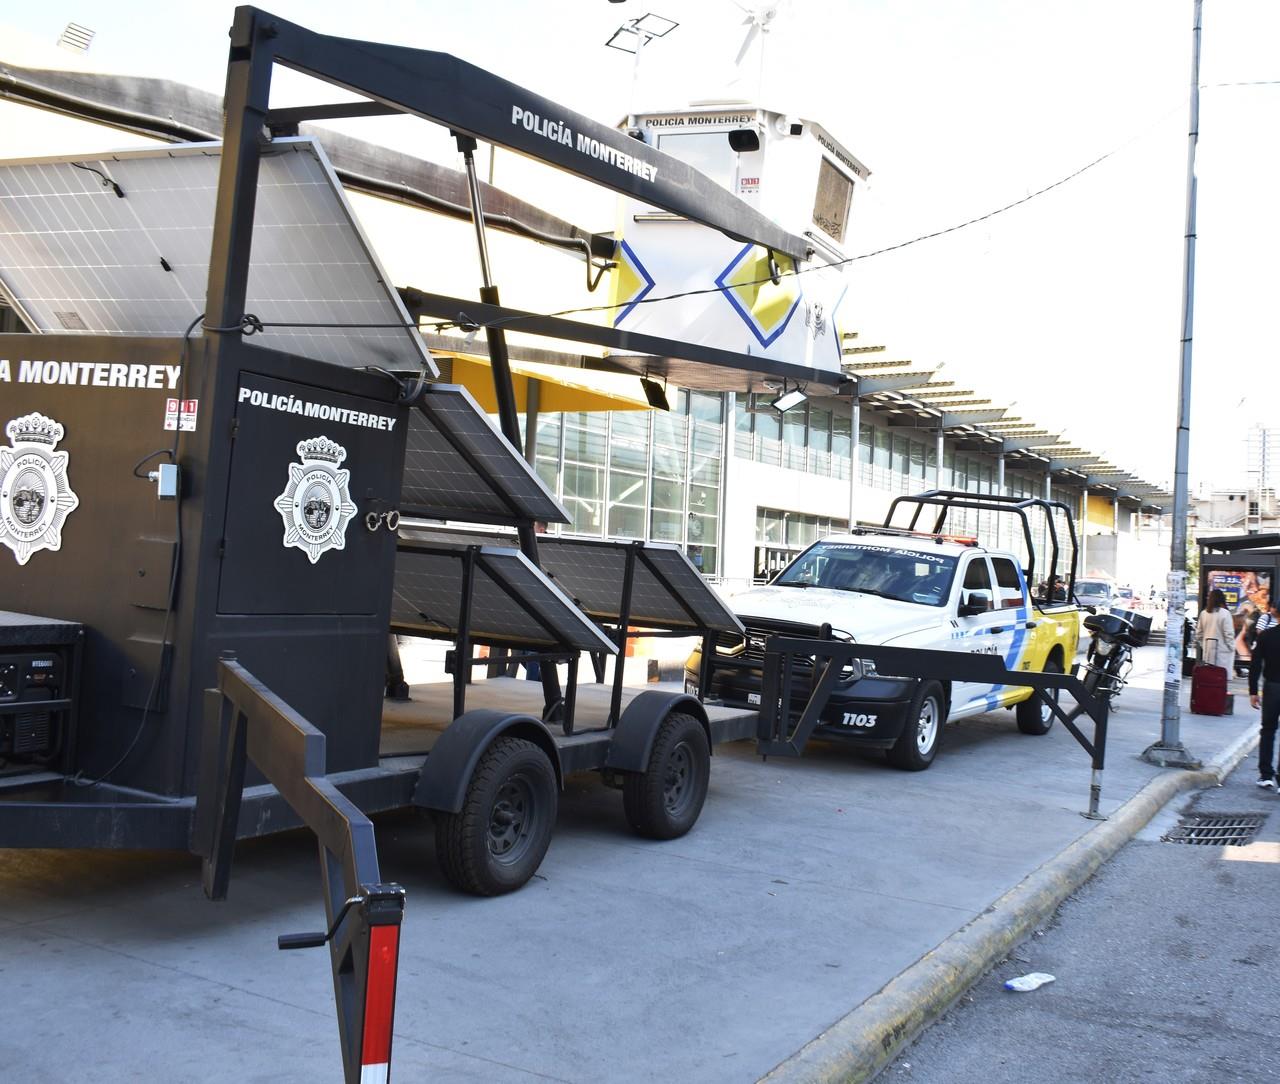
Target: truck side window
<point>1008,586</point>
<point>977,578</point>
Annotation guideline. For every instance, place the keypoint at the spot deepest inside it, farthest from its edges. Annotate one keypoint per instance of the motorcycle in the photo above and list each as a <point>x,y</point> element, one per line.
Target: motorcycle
<point>1110,655</point>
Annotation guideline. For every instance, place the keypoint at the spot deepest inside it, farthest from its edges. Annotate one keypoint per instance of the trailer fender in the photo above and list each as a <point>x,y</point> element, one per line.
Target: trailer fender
<point>633,741</point>
<point>447,771</point>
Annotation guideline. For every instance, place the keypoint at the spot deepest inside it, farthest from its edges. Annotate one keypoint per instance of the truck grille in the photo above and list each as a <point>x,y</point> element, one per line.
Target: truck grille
<point>758,632</point>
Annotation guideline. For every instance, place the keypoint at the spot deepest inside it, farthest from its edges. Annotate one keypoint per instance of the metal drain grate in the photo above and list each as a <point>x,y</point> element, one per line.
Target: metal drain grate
<point>1217,829</point>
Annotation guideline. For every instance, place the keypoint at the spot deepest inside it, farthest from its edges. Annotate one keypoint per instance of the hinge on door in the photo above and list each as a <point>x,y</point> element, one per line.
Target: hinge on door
<point>235,428</point>
<point>222,547</point>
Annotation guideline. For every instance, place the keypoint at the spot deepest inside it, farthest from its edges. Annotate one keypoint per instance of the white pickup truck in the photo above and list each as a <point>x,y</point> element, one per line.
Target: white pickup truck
<point>909,590</point>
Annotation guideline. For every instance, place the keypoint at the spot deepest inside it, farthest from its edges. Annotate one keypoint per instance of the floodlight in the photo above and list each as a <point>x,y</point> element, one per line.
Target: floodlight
<point>788,400</point>
<point>655,26</point>
<point>632,35</point>
<point>625,39</point>
<point>655,394</point>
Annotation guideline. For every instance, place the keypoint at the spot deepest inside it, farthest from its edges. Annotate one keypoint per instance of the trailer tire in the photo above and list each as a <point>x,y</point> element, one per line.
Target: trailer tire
<point>496,842</point>
<point>918,743</point>
<point>665,800</point>
<point>1033,716</point>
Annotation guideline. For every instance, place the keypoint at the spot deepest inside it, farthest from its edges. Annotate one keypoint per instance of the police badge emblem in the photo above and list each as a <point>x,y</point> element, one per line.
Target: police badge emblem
<point>35,497</point>
<point>316,505</point>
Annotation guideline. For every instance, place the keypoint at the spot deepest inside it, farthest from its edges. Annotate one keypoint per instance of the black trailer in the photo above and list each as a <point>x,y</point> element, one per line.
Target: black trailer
<point>213,497</point>
<point>172,465</point>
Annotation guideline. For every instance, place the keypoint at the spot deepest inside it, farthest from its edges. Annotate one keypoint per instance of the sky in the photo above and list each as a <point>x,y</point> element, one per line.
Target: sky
<point>1068,305</point>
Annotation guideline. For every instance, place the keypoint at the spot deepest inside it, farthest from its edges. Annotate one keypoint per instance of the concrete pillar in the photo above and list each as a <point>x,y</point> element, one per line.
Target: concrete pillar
<point>855,423</point>
<point>937,468</point>
<point>1000,490</point>
<point>1084,531</point>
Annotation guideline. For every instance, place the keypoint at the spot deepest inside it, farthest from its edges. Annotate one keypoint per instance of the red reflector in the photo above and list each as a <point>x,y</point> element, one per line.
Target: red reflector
<point>380,1000</point>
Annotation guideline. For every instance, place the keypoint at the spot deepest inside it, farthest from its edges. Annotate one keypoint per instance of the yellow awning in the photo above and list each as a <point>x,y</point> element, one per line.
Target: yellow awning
<point>560,388</point>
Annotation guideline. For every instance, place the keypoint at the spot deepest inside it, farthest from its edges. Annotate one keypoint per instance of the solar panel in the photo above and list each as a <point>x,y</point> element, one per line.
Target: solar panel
<point>513,603</point>
<point>458,466</point>
<point>120,243</point>
<point>667,591</point>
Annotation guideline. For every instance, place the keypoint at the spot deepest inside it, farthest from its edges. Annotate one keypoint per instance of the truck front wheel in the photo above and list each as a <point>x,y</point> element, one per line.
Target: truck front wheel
<point>921,735</point>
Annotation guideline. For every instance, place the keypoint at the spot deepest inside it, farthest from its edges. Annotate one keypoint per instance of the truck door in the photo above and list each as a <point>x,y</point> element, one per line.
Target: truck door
<point>982,628</point>
<point>1012,602</point>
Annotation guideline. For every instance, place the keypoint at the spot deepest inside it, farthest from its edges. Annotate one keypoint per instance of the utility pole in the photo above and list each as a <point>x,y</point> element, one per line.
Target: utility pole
<point>1169,752</point>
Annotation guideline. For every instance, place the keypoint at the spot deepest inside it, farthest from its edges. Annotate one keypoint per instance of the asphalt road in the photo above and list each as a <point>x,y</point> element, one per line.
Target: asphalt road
<point>1167,968</point>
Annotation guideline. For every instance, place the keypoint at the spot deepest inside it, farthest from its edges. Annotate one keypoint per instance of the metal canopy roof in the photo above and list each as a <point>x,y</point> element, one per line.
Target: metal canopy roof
<point>910,398</point>
<point>513,603</point>
<point>120,243</point>
<point>458,466</point>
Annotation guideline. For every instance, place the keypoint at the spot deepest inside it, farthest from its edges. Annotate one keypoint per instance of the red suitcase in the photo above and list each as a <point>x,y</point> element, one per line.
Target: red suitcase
<point>1209,690</point>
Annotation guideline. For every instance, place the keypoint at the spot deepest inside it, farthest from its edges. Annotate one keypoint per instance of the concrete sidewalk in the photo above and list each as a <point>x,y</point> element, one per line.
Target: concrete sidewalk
<point>807,887</point>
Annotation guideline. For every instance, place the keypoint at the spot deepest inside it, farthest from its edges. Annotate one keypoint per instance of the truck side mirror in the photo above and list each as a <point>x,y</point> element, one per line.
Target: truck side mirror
<point>973,603</point>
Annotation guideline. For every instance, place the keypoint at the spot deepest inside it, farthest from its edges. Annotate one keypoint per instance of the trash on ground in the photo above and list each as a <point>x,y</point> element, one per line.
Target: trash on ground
<point>1025,983</point>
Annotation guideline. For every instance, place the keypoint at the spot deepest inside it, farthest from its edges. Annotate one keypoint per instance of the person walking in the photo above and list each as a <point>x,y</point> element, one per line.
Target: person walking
<point>1264,673</point>
<point>1216,632</point>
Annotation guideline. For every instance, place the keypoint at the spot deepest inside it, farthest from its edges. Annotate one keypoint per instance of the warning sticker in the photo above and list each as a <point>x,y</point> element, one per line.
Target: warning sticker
<point>183,410</point>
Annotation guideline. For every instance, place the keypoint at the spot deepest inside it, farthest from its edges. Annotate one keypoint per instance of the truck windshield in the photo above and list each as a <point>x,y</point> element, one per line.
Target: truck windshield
<point>902,574</point>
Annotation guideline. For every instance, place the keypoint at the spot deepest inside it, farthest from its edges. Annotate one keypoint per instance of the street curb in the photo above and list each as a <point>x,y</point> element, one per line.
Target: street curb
<point>863,1042</point>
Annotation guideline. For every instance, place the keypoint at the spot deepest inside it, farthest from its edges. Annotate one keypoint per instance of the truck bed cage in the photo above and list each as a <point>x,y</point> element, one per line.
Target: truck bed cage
<point>947,500</point>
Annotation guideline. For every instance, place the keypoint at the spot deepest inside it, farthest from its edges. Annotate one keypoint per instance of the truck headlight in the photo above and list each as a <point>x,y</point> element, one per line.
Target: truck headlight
<point>852,670</point>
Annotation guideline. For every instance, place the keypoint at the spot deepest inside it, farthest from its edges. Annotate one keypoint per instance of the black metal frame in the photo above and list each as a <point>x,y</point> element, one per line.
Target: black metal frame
<point>462,659</point>
<point>634,352</point>
<point>779,737</point>
<point>947,499</point>
<point>621,630</point>
<point>245,721</point>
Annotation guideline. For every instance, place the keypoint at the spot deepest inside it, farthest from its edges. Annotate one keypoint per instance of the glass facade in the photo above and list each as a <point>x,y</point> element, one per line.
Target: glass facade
<point>652,475</point>
<point>658,475</point>
<point>780,535</point>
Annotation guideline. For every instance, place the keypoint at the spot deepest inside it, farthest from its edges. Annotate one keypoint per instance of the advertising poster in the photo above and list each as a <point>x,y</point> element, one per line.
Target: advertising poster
<point>1247,593</point>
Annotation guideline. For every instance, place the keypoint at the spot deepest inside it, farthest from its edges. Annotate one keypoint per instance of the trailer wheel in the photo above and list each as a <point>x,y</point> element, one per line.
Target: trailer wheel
<point>918,743</point>
<point>497,841</point>
<point>664,801</point>
<point>1034,716</point>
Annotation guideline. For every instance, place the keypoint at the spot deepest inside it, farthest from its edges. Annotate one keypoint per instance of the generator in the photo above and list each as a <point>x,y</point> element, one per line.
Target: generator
<point>39,690</point>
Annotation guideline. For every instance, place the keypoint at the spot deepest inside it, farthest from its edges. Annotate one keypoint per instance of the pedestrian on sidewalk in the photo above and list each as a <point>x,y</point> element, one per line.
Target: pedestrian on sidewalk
<point>1264,673</point>
<point>1216,632</point>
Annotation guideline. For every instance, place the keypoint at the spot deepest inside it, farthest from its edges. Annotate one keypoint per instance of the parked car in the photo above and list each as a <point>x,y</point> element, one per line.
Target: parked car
<point>1100,594</point>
